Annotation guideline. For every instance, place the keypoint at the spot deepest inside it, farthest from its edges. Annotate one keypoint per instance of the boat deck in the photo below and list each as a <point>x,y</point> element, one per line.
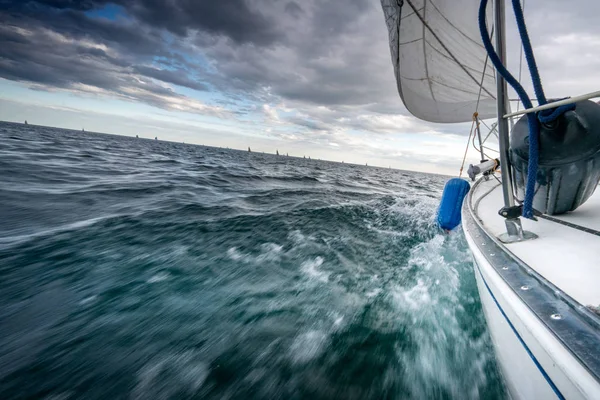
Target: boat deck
<point>567,255</point>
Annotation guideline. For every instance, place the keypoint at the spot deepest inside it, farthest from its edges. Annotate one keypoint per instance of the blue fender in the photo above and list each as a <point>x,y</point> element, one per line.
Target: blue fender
<point>449,212</point>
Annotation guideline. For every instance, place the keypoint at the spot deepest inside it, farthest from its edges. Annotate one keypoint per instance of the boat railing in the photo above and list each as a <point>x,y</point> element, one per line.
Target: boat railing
<point>554,104</point>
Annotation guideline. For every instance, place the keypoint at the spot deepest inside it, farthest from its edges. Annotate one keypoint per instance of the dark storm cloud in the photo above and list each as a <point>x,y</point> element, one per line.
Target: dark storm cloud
<point>235,19</point>
<point>231,18</point>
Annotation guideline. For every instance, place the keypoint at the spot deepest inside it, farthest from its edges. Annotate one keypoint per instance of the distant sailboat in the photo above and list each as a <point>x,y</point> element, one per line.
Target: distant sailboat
<point>249,151</point>
<point>137,137</point>
<point>26,122</point>
<point>304,156</point>
<point>277,152</point>
<point>309,157</point>
<point>155,137</point>
<point>287,155</point>
<point>82,130</point>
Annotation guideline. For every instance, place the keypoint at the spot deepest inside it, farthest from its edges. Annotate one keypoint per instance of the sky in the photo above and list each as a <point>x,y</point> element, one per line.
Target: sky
<point>310,77</point>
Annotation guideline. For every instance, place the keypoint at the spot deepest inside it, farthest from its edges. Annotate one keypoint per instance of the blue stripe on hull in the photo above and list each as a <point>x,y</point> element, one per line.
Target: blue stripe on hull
<point>533,358</point>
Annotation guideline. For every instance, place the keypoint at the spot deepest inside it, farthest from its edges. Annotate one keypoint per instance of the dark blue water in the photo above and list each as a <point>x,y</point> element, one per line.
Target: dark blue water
<point>141,269</point>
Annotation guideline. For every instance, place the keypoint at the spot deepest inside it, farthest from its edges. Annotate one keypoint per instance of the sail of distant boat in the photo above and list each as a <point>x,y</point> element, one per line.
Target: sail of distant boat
<point>277,152</point>
<point>439,59</point>
<point>26,122</point>
<point>249,151</point>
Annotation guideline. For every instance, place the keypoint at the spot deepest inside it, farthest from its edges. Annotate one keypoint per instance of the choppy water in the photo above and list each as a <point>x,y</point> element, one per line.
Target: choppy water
<point>141,269</point>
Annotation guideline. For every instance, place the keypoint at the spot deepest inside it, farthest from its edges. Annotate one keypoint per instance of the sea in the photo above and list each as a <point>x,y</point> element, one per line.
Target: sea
<point>146,269</point>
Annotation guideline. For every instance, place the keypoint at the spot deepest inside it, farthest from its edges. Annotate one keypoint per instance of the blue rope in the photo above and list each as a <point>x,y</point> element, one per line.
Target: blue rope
<point>532,119</point>
<point>550,115</point>
<point>528,51</point>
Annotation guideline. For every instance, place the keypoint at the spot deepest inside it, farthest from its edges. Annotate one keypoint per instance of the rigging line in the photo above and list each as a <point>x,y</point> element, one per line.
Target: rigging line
<point>520,62</point>
<point>466,149</point>
<point>476,114</point>
<point>490,149</point>
<point>409,2</point>
<point>479,149</point>
<point>482,78</point>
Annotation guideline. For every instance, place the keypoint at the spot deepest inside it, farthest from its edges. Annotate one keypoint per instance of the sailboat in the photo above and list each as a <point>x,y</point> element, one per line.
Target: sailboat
<point>532,217</point>
<point>249,151</point>
<point>277,152</point>
<point>26,122</point>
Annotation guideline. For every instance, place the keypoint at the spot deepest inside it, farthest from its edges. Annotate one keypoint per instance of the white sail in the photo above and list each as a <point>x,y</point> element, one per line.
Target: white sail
<point>439,59</point>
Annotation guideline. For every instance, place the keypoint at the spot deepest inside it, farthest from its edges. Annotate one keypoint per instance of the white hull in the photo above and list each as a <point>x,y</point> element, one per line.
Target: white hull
<point>535,362</point>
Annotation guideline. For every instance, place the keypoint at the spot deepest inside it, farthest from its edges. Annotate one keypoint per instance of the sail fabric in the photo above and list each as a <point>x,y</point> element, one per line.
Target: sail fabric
<point>440,64</point>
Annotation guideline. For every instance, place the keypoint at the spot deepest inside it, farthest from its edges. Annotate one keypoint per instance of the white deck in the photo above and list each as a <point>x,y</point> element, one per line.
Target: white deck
<point>567,257</point>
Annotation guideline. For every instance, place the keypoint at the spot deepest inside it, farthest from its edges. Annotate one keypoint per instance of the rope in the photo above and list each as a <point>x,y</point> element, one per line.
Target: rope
<point>479,149</point>
<point>534,122</point>
<point>467,148</point>
<point>520,61</point>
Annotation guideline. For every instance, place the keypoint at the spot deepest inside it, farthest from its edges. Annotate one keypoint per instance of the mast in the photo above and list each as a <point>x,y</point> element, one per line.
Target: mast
<point>501,99</point>
<point>514,229</point>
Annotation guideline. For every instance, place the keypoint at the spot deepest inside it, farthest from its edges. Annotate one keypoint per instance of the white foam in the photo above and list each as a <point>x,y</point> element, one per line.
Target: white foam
<point>416,297</point>
<point>311,268</point>
<point>269,252</point>
<point>373,292</point>
<point>308,346</point>
<point>432,301</point>
<point>338,321</point>
<point>88,300</point>
<point>160,277</point>
<point>8,241</point>
<point>187,371</point>
<point>235,255</point>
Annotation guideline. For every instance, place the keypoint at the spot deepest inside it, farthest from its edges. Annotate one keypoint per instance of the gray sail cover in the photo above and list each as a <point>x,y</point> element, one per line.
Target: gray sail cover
<point>439,63</point>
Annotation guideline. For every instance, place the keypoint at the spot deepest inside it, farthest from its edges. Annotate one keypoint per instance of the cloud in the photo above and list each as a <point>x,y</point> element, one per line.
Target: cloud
<point>314,69</point>
<point>177,77</point>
